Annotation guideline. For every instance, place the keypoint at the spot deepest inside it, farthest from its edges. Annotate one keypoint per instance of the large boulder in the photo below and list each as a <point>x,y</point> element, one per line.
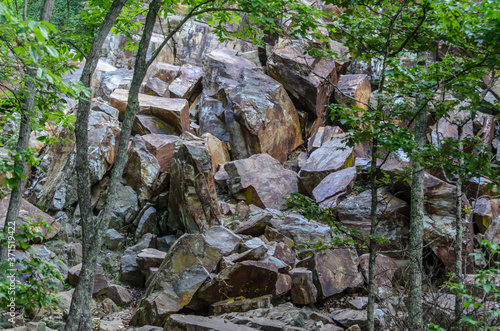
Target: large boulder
<point>211,117</point>
<point>385,267</point>
<point>150,124</point>
<point>185,85</point>
<point>308,79</point>
<point>249,279</point>
<point>173,111</point>
<point>260,180</point>
<point>334,188</point>
<point>353,86</point>
<point>332,156</point>
<point>112,80</point>
<point>300,229</point>
<point>142,169</point>
<point>185,268</point>
<point>100,282</point>
<point>178,322</point>
<point>259,115</point>
<point>336,270</point>
<point>35,215</point>
<point>392,215</point>
<point>485,212</point>
<point>193,204</point>
<point>162,147</point>
<point>303,290</point>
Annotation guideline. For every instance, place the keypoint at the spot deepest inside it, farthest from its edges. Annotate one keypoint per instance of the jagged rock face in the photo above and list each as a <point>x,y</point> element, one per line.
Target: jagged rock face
<point>162,147</point>
<point>310,81</point>
<point>218,150</point>
<point>261,180</point>
<point>332,156</point>
<point>336,270</point>
<point>354,86</point>
<point>333,189</point>
<point>175,112</point>
<point>303,290</point>
<point>150,124</point>
<point>193,205</point>
<point>384,272</point>
<point>56,189</point>
<point>393,215</point>
<point>185,85</point>
<point>34,214</point>
<point>300,229</point>
<point>142,170</point>
<point>259,115</point>
<point>211,117</point>
<point>186,266</point>
<point>485,212</point>
<point>112,80</point>
<point>322,135</point>
<point>100,282</point>
<point>439,220</point>
<point>249,279</point>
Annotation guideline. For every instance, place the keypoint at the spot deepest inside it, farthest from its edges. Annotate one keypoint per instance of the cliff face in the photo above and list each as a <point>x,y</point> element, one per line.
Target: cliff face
<point>201,223</point>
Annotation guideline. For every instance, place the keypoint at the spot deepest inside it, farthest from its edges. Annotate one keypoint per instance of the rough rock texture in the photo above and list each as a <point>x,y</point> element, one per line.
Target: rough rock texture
<point>261,118</point>
<point>211,117</point>
<point>299,229</point>
<point>150,258</point>
<point>217,149</point>
<point>126,207</point>
<point>193,203</point>
<point>336,270</point>
<point>349,317</point>
<point>485,212</point>
<point>354,86</point>
<point>384,271</point>
<point>303,290</point>
<point>309,80</point>
<point>112,80</point>
<point>322,135</point>
<point>392,212</point>
<point>192,322</point>
<point>157,87</point>
<point>223,239</point>
<point>334,187</point>
<point>240,305</point>
<point>186,266</point>
<point>249,279</point>
<point>148,124</point>
<point>119,294</point>
<point>162,147</point>
<point>34,214</point>
<point>163,71</point>
<point>185,85</point>
<point>100,282</point>
<point>130,272</point>
<point>332,156</point>
<point>173,111</point>
<point>260,180</point>
<point>142,169</point>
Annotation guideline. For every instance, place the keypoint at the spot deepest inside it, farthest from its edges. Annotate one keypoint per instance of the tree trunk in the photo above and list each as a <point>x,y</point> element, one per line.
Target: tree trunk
<point>372,286</point>
<point>79,315</point>
<point>459,301</point>
<point>417,222</point>
<point>16,196</point>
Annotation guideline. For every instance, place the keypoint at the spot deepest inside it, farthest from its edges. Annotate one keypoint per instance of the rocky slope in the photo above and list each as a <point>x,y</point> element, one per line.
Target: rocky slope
<point>201,238</point>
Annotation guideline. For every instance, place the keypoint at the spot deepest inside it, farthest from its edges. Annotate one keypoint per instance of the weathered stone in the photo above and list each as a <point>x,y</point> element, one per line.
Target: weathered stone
<point>255,225</point>
<point>332,156</point>
<point>282,266</point>
<point>251,244</point>
<point>255,254</point>
<point>385,267</point>
<point>130,272</point>
<point>217,149</point>
<point>112,80</point>
<point>150,124</point>
<point>126,207</point>
<point>303,290</point>
<point>354,86</point>
<point>162,147</point>
<point>309,80</point>
<point>186,266</point>
<point>34,214</point>
<point>223,239</point>
<point>479,186</point>
<point>211,117</point>
<point>283,252</point>
<point>484,213</point>
<point>157,87</point>
<point>260,180</point>
<point>240,304</point>
<point>113,239</point>
<point>192,322</point>
<point>334,188</point>
<point>392,214</point>
<point>193,203</point>
<point>149,240</point>
<point>322,136</point>
<point>283,285</point>
<point>249,279</point>
<point>336,270</point>
<point>119,294</point>
<point>147,222</point>
<point>299,229</point>
<point>163,71</point>
<point>142,170</point>
<point>100,282</point>
<point>493,232</point>
<point>173,111</point>
<point>349,317</point>
<point>164,243</point>
<point>185,85</point>
<point>150,258</point>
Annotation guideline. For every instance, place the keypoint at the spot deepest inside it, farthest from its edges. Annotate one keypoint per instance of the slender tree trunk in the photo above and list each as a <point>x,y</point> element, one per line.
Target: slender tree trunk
<point>459,301</point>
<point>372,286</point>
<point>25,10</point>
<point>16,196</point>
<point>417,224</point>
<point>79,315</point>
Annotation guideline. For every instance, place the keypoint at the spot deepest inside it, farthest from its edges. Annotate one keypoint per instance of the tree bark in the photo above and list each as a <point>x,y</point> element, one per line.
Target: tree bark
<point>459,301</point>
<point>417,223</point>
<point>79,315</point>
<point>372,286</point>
